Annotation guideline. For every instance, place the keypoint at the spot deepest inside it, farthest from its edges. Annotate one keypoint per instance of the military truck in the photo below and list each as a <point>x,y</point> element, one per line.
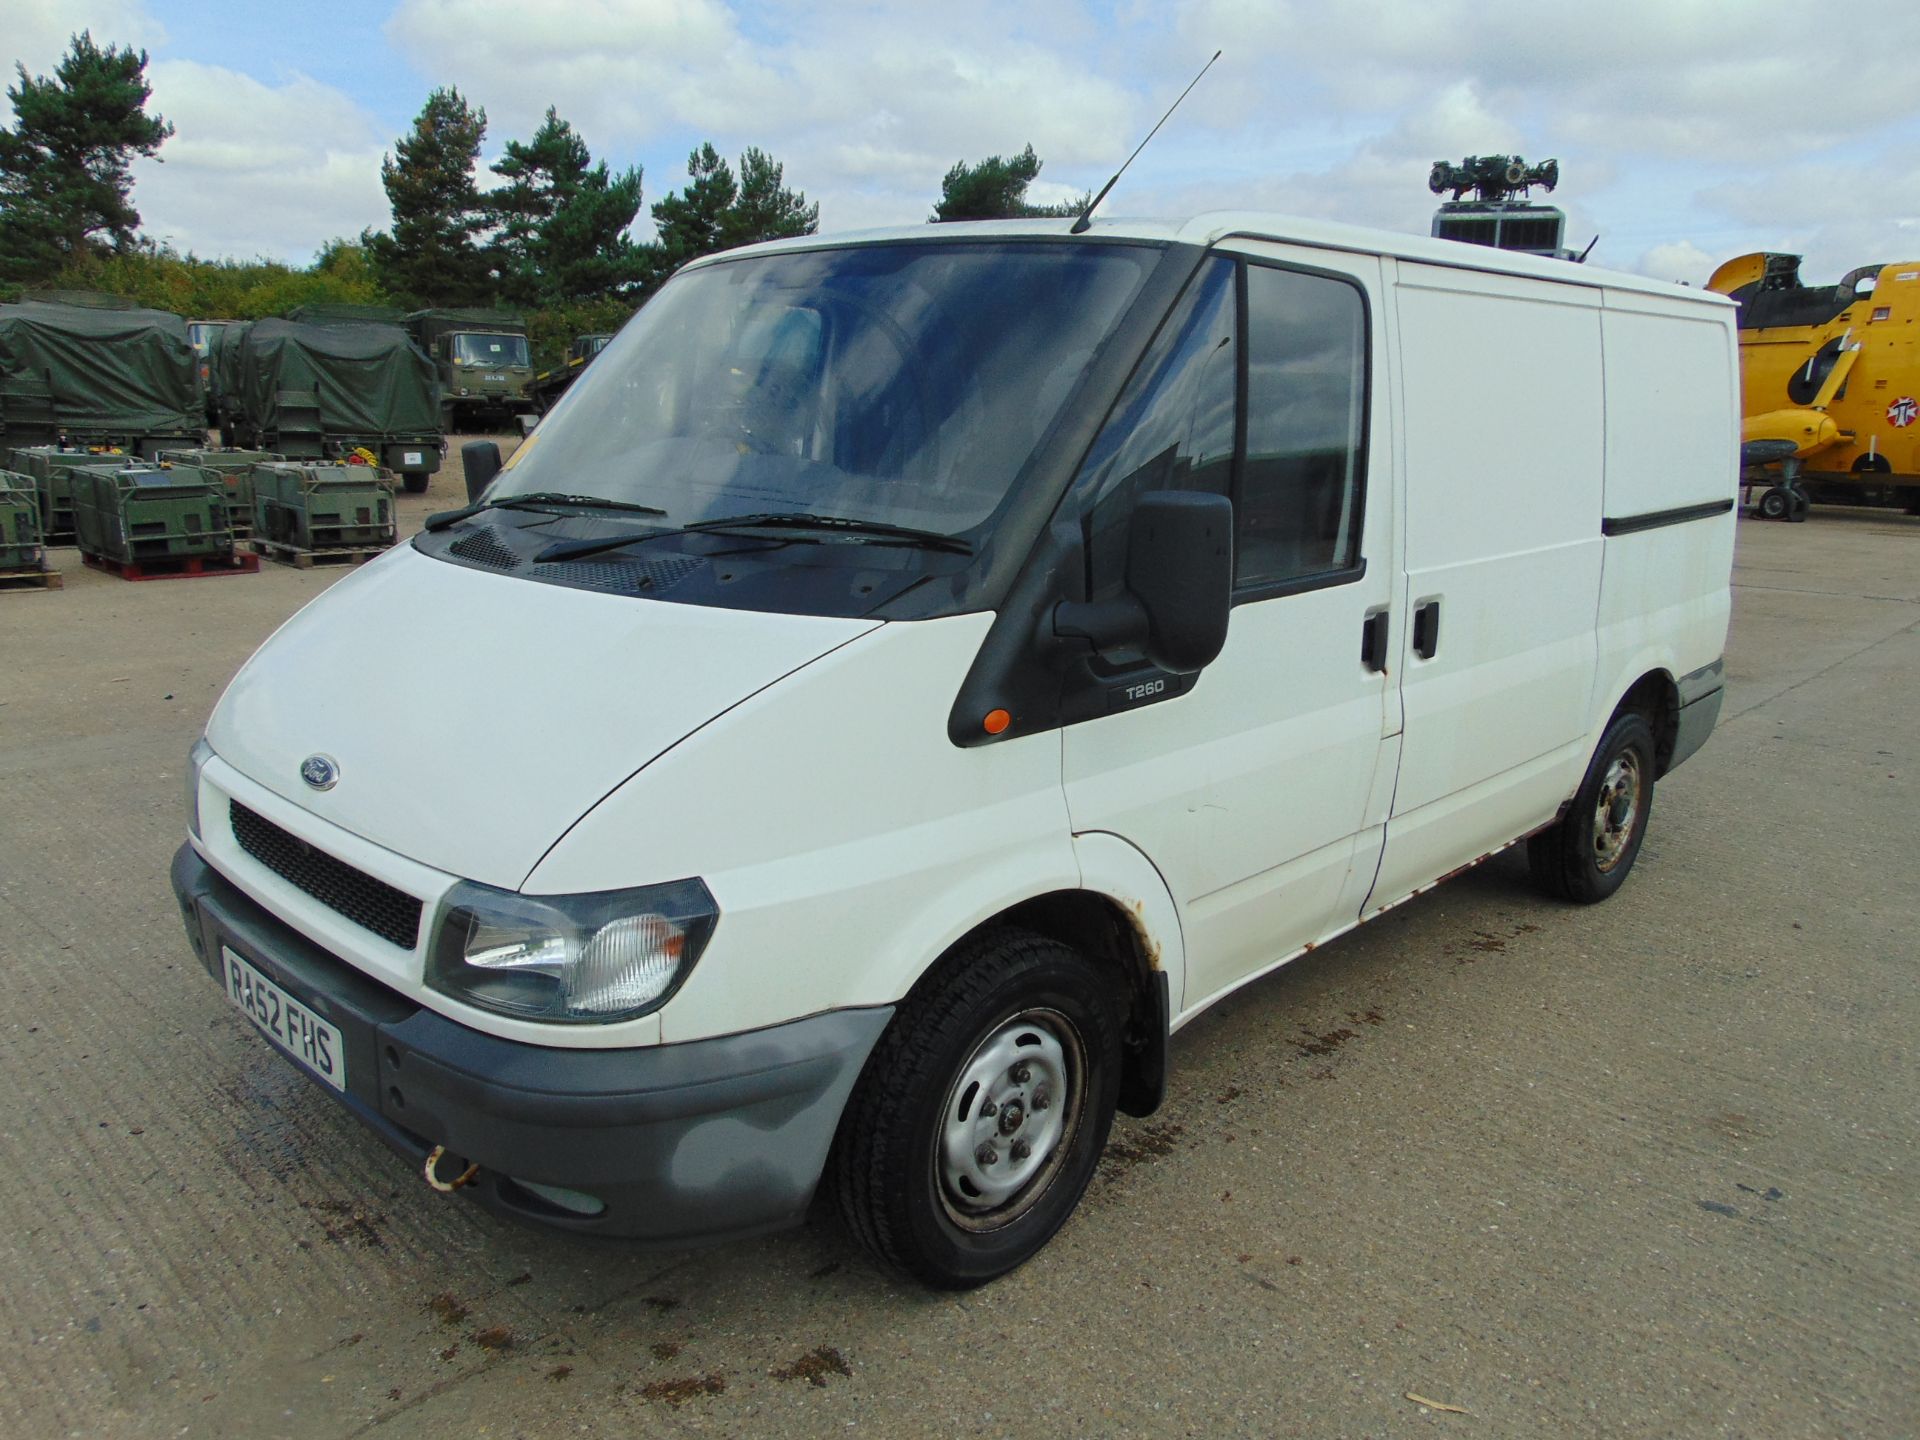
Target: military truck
<point>486,375</point>
<point>550,385</point>
<point>304,510</point>
<point>331,390</point>
<point>98,374</point>
<point>138,514</point>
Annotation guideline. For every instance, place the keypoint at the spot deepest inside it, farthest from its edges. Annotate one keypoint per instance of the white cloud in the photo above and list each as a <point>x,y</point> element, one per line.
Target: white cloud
<point>1681,261</point>
<point>36,32</point>
<point>253,169</point>
<point>865,106</point>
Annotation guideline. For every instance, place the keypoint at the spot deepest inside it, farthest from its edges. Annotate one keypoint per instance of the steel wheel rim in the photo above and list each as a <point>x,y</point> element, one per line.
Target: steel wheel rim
<point>1009,1119</point>
<point>1616,811</point>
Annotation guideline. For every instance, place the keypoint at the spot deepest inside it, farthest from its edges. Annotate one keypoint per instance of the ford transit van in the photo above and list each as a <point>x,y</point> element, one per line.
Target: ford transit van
<point>911,675</point>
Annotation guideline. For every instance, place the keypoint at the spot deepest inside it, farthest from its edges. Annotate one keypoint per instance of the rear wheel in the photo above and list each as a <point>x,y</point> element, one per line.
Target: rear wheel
<point>982,1113</point>
<point>416,484</point>
<point>1585,857</point>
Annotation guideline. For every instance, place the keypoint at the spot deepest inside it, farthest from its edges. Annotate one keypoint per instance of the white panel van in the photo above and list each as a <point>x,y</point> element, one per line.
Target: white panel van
<point>911,675</point>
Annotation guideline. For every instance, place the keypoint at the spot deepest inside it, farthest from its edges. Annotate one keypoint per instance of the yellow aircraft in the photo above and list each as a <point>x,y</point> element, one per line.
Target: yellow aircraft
<point>1830,376</point>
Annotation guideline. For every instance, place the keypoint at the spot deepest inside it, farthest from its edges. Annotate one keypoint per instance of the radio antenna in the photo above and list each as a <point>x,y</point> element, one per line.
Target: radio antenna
<point>1086,216</point>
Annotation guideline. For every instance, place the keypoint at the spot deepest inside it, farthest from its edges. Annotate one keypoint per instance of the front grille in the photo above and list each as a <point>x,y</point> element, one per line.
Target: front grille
<point>372,904</point>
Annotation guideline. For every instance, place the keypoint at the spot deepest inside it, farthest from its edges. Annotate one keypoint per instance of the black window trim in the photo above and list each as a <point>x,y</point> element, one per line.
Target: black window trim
<point>1323,579</point>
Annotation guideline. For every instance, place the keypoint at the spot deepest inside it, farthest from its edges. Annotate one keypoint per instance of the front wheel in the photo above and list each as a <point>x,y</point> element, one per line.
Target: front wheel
<point>982,1113</point>
<point>1586,855</point>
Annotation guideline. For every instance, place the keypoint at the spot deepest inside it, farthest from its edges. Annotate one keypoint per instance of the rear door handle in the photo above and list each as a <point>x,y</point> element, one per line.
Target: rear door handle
<point>1426,629</point>
<point>1373,640</point>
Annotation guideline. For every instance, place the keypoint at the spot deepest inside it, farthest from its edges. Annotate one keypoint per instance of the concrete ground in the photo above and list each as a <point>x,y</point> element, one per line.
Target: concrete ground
<point>1643,1169</point>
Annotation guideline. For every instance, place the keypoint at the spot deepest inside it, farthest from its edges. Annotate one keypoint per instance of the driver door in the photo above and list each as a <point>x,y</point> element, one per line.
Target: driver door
<point>1260,789</point>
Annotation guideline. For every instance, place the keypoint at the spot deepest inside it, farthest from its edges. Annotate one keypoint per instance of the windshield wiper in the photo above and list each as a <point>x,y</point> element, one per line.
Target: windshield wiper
<point>794,520</point>
<point>534,500</point>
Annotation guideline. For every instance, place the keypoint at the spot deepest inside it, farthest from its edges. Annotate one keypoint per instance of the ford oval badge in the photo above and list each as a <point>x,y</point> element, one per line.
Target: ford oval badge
<point>320,772</point>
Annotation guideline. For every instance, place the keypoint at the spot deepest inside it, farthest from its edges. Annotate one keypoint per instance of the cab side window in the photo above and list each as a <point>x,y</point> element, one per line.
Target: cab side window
<point>1173,428</point>
<point>1297,508</point>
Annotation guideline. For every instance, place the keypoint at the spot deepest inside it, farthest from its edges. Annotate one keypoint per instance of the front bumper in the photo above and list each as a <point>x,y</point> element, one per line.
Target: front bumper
<point>706,1140</point>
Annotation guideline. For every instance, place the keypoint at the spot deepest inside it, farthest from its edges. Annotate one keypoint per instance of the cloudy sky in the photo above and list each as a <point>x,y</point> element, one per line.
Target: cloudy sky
<point>1687,131</point>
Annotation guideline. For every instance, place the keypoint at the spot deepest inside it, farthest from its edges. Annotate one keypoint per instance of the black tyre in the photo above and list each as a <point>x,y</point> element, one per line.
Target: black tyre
<point>1775,504</point>
<point>1797,508</point>
<point>416,484</point>
<point>1586,856</point>
<point>981,1114</point>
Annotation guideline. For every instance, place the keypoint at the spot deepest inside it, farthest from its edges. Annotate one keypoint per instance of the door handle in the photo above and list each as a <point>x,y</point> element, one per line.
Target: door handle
<point>1373,640</point>
<point>1426,629</point>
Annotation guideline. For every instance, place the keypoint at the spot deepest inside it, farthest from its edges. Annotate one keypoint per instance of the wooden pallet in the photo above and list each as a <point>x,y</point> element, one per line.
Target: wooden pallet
<point>307,559</point>
<point>31,577</point>
<point>185,568</point>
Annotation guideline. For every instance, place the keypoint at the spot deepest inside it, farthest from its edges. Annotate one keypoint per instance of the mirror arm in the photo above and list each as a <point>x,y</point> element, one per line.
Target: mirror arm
<point>1107,624</point>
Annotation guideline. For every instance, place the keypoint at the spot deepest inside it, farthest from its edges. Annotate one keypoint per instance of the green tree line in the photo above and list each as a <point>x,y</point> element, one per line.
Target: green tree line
<point>551,237</point>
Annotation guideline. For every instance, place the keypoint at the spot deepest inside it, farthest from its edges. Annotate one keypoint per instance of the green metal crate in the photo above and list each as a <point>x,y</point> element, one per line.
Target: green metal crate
<point>235,469</point>
<point>52,471</point>
<point>322,507</point>
<point>140,512</point>
<point>20,546</point>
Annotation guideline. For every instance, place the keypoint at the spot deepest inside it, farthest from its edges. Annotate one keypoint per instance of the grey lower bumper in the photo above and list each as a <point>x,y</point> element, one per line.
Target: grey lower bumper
<point>1701,692</point>
<point>699,1141</point>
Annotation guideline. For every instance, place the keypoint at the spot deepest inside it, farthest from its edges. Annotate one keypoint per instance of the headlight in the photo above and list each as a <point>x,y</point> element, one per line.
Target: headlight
<point>589,959</point>
<point>196,762</point>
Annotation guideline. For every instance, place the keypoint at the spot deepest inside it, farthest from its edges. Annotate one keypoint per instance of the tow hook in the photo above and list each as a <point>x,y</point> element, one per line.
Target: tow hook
<point>447,1187</point>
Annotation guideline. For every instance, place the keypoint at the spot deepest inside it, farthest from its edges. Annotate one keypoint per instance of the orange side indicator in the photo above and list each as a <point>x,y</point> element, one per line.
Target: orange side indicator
<point>996,721</point>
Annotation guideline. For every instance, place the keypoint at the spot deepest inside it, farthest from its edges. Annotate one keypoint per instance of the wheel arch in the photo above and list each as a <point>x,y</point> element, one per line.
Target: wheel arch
<point>1655,695</point>
<point>1123,917</point>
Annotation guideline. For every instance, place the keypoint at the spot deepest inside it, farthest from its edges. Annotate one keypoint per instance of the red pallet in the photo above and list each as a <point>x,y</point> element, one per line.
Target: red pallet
<point>182,569</point>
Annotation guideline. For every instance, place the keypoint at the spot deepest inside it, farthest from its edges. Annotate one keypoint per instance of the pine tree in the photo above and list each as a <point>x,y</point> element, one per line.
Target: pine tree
<point>995,189</point>
<point>714,211</point>
<point>691,224</point>
<point>765,209</point>
<point>432,257</point>
<point>562,220</point>
<point>65,190</point>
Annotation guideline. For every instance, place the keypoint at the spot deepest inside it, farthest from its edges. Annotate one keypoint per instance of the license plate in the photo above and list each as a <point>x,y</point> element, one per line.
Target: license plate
<point>285,1021</point>
<point>410,457</point>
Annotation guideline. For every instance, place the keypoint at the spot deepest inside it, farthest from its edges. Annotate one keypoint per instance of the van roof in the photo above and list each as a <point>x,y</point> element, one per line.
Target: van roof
<point>1216,225</point>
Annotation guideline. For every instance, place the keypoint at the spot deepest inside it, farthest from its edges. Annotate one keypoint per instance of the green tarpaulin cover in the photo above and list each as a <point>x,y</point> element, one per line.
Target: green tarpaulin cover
<point>120,373</point>
<point>371,383</point>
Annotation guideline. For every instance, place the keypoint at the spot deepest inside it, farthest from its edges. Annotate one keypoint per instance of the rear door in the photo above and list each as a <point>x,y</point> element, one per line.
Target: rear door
<point>1251,790</point>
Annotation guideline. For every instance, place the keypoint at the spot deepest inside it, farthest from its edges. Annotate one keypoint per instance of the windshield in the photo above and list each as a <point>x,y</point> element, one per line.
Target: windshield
<point>490,349</point>
<point>902,383</point>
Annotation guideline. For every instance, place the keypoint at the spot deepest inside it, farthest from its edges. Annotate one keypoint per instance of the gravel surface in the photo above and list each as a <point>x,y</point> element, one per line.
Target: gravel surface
<point>1647,1168</point>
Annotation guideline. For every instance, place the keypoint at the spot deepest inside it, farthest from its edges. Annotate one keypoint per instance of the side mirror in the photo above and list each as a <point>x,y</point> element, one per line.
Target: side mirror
<point>1179,584</point>
<point>481,461</point>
